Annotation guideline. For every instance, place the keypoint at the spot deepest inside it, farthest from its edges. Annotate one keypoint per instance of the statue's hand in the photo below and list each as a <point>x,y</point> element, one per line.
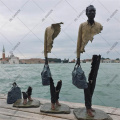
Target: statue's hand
<point>46,61</point>
<point>78,61</point>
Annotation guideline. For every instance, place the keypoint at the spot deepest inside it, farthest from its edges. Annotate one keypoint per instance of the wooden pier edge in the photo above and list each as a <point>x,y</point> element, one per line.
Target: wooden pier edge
<point>8,112</point>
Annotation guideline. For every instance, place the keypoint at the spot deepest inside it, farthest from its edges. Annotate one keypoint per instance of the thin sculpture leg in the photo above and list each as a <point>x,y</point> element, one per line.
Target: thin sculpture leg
<point>88,93</point>
<point>93,73</point>
<point>54,91</point>
<point>55,106</point>
<point>58,88</point>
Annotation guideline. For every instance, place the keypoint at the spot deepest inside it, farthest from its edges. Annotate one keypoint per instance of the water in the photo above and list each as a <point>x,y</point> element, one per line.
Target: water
<point>107,91</point>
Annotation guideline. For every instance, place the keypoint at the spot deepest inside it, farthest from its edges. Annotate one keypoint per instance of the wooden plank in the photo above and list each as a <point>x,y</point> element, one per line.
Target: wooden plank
<point>14,114</point>
<point>116,111</point>
<point>115,117</point>
<point>3,96</point>
<point>5,117</point>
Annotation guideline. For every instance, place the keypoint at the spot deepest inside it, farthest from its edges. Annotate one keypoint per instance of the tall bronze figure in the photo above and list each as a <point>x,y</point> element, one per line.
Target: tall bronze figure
<point>86,32</point>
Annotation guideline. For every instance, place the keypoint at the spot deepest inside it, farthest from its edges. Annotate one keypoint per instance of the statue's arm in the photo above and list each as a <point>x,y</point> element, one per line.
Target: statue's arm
<point>101,27</point>
<point>45,47</point>
<point>79,42</point>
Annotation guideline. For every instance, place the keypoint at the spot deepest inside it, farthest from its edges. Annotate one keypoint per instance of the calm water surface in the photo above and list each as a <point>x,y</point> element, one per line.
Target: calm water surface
<point>107,91</point>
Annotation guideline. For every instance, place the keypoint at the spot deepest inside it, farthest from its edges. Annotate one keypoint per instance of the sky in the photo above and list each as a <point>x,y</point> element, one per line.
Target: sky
<point>23,24</point>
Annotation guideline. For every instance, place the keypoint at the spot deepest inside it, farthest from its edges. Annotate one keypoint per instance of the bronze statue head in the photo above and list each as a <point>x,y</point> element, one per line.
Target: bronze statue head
<point>90,12</point>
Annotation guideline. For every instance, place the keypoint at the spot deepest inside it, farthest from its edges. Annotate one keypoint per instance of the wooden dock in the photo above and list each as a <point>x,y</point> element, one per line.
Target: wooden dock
<point>7,112</point>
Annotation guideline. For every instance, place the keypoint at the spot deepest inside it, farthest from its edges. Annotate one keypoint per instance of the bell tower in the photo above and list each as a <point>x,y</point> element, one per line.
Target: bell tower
<point>3,54</point>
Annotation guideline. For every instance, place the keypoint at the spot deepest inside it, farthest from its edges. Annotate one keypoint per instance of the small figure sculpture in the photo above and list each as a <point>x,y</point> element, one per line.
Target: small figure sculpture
<point>26,95</point>
<point>86,32</point>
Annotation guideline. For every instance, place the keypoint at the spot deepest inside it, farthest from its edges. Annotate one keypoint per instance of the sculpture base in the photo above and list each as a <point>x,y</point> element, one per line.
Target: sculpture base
<point>30,104</point>
<point>81,114</point>
<point>63,109</point>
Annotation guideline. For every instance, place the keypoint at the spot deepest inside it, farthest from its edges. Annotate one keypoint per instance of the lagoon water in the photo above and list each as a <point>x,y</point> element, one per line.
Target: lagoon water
<point>107,91</point>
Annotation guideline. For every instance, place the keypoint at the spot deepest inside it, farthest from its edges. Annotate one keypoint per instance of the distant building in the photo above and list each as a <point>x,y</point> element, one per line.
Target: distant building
<point>88,60</point>
<point>116,61</point>
<point>82,61</point>
<point>54,60</point>
<point>65,61</point>
<point>13,59</point>
<point>3,54</point>
<point>8,60</point>
<point>4,60</point>
<point>73,61</point>
<point>107,61</point>
<point>32,61</point>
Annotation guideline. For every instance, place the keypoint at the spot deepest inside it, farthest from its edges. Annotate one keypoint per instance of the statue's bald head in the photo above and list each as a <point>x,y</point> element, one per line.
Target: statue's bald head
<point>90,11</point>
<point>90,7</point>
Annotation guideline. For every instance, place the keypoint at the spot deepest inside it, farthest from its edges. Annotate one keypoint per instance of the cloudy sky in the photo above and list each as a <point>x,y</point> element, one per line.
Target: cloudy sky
<point>23,23</point>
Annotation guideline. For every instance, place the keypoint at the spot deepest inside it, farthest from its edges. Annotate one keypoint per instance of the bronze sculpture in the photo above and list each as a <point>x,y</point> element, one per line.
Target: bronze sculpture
<point>50,34</point>
<point>54,91</point>
<point>86,32</point>
<point>26,95</point>
<point>27,101</point>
